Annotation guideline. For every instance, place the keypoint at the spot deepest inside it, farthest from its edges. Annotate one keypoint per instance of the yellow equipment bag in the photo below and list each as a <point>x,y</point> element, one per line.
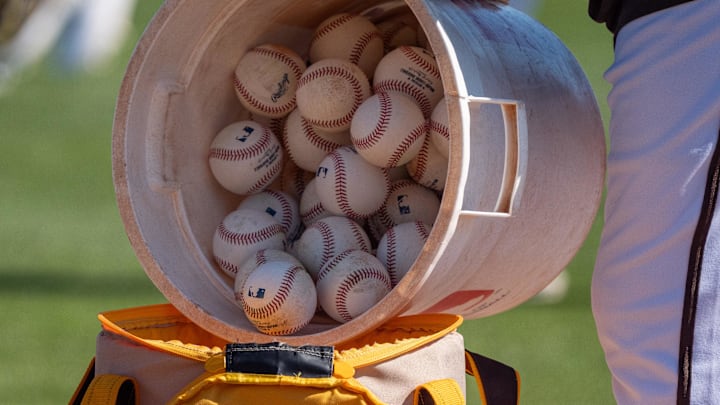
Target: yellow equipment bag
<point>155,355</point>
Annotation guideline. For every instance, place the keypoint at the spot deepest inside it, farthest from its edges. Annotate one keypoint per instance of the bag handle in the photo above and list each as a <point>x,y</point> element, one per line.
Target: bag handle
<point>498,383</point>
<point>106,389</point>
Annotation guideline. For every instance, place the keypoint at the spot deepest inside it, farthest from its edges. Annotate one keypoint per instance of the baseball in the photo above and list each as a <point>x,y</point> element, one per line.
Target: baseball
<point>349,37</point>
<point>397,32</point>
<point>400,246</point>
<point>306,145</point>
<point>349,185</point>
<point>388,129</point>
<point>329,93</point>
<point>326,238</point>
<point>279,205</point>
<point>279,298</point>
<point>351,283</point>
<point>240,234</point>
<point>407,201</point>
<point>439,128</point>
<point>245,157</point>
<point>429,167</point>
<point>293,180</point>
<point>266,79</point>
<point>413,71</point>
<point>311,209</point>
<point>262,256</point>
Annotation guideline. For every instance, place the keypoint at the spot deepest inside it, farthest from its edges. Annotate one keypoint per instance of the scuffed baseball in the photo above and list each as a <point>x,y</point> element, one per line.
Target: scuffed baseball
<point>408,201</point>
<point>349,37</point>
<point>279,298</point>
<point>240,234</point>
<point>400,246</point>
<point>262,256</point>
<point>326,238</point>
<point>429,167</point>
<point>413,71</point>
<point>439,128</point>
<point>307,145</point>
<point>245,157</point>
<point>397,32</point>
<point>330,91</point>
<point>351,283</point>
<point>388,129</point>
<point>280,206</point>
<point>266,79</point>
<point>349,185</point>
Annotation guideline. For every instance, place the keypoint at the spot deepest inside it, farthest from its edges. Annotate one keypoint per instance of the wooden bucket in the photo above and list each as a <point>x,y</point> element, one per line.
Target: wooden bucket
<point>525,172</point>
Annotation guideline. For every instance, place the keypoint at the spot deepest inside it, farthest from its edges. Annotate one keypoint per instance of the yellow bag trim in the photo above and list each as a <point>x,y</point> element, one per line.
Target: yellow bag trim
<point>252,382</point>
<point>395,338</point>
<point>440,392</point>
<point>164,328</point>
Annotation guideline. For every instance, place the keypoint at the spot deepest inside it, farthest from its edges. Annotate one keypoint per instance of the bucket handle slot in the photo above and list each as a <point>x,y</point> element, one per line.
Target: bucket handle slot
<point>516,152</point>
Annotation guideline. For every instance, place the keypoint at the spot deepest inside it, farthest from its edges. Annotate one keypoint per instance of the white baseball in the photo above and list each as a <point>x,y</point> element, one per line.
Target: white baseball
<point>326,238</point>
<point>411,70</point>
<point>311,209</point>
<point>262,256</point>
<point>351,283</point>
<point>400,246</point>
<point>439,128</point>
<point>329,93</point>
<point>307,145</point>
<point>408,201</point>
<point>349,37</point>
<point>429,167</point>
<point>388,129</point>
<point>397,32</point>
<point>245,157</point>
<point>266,79</point>
<point>293,180</point>
<point>349,185</point>
<point>279,298</point>
<point>279,205</point>
<point>240,234</point>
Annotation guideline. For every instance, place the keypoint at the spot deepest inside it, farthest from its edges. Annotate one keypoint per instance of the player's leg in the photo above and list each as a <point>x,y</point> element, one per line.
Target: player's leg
<point>665,115</point>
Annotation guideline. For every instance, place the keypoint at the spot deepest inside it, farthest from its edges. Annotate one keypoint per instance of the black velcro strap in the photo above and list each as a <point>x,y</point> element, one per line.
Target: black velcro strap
<point>500,383</point>
<point>279,359</point>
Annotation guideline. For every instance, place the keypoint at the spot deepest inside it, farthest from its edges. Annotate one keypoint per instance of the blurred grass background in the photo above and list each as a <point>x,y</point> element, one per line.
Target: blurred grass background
<point>64,255</point>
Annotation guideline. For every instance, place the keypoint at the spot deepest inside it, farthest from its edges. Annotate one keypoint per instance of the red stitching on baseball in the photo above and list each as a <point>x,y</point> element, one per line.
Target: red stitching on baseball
<point>248,238</point>
<point>361,45</point>
<point>359,236</point>
<point>226,265</point>
<point>250,152</point>
<point>278,298</point>
<point>328,247</point>
<point>337,21</point>
<point>406,88</point>
<point>321,143</point>
<point>382,123</point>
<point>290,62</point>
<point>310,215</point>
<point>441,129</point>
<point>287,218</point>
<point>330,265</point>
<point>245,94</point>
<point>341,195</point>
<point>421,161</point>
<point>349,78</point>
<point>422,229</point>
<point>407,143</point>
<point>351,281</point>
<point>391,257</point>
<point>267,178</point>
<point>412,54</point>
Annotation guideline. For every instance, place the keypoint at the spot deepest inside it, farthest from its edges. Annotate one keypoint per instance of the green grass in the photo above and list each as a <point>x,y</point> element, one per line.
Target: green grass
<point>65,256</point>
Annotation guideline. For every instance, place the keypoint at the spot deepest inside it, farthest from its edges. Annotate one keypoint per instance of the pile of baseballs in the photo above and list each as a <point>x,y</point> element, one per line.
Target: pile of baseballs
<point>341,161</point>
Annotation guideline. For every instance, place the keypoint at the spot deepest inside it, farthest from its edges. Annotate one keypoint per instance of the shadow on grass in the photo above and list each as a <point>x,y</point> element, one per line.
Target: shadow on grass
<point>60,282</point>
